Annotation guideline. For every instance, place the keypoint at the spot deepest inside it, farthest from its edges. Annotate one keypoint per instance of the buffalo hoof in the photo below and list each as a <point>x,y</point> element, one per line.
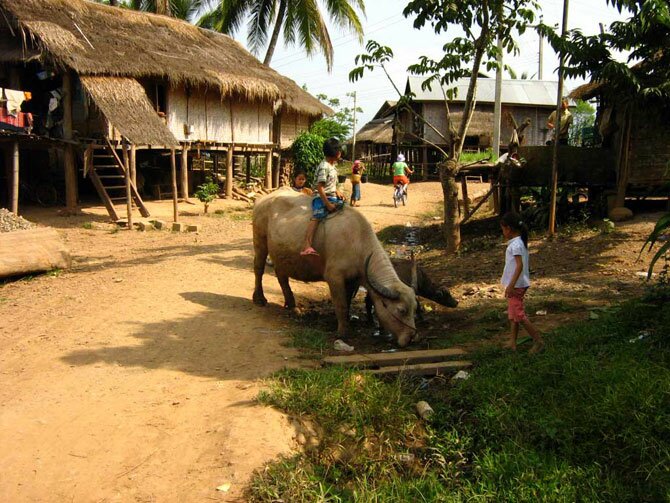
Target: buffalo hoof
<point>260,300</point>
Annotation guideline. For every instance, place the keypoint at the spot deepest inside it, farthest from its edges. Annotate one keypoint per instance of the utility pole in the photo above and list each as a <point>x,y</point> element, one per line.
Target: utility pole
<point>497,107</point>
<point>557,126</point>
<point>540,61</point>
<point>353,141</point>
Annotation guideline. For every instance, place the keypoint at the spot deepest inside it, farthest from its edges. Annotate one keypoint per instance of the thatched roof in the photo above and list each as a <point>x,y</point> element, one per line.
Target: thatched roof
<point>586,91</point>
<point>125,104</point>
<point>298,100</point>
<point>95,39</point>
<point>377,131</point>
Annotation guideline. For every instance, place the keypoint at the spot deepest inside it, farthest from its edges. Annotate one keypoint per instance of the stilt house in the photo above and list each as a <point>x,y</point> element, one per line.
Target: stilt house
<point>110,91</point>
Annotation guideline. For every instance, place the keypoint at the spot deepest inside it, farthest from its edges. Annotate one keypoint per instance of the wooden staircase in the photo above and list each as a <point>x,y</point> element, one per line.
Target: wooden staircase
<point>103,165</point>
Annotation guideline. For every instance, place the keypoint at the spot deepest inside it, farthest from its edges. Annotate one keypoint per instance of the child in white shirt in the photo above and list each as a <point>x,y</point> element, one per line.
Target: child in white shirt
<point>516,279</point>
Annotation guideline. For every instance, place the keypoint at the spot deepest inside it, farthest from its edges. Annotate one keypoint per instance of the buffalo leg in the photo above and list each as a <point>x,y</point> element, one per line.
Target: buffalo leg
<point>260,256</point>
<point>340,298</point>
<point>289,299</point>
<point>352,288</point>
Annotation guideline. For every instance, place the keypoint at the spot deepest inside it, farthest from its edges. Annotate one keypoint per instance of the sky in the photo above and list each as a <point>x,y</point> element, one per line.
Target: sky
<point>385,23</point>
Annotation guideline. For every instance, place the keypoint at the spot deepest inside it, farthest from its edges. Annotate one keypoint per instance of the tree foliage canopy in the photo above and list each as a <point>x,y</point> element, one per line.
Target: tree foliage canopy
<point>644,36</point>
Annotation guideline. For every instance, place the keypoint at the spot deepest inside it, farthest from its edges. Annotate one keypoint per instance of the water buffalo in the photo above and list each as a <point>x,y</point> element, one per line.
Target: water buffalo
<point>416,277</point>
<point>349,256</point>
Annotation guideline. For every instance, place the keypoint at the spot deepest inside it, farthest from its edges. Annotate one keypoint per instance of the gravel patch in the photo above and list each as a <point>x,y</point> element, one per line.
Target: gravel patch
<point>10,222</point>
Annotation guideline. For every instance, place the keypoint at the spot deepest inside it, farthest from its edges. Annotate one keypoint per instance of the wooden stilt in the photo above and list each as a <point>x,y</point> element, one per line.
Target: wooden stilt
<point>175,196</point>
<point>15,178</point>
<point>184,172</point>
<point>247,158</point>
<point>268,170</point>
<point>129,200</point>
<point>133,164</point>
<point>275,174</point>
<point>69,164</point>
<point>229,172</point>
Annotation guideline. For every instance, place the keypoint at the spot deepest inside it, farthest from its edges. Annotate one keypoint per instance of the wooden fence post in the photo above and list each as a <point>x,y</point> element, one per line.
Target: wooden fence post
<point>175,195</point>
<point>229,172</point>
<point>268,170</point>
<point>15,178</point>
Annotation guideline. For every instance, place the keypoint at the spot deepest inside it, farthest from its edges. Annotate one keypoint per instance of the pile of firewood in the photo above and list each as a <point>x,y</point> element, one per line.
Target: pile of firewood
<point>249,192</point>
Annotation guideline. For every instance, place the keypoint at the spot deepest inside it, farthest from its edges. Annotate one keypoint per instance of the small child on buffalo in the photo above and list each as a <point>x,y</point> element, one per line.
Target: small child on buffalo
<point>516,279</point>
<point>327,198</point>
<point>299,181</point>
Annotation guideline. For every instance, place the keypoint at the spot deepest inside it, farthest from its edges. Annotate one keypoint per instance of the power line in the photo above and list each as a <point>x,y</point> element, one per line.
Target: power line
<point>343,37</point>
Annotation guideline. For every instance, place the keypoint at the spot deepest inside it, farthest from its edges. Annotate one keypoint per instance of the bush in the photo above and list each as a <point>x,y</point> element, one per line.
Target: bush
<point>207,192</point>
<point>308,153</point>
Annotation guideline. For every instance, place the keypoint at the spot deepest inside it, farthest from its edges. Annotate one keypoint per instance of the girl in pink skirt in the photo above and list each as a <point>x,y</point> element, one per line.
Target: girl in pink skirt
<point>516,279</point>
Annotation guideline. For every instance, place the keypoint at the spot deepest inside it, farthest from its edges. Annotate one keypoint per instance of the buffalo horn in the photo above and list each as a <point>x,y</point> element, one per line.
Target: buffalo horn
<point>380,289</point>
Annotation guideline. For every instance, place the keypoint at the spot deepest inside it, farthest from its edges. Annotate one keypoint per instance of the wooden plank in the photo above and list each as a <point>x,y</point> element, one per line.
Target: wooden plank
<point>175,196</point>
<point>99,187</point>
<point>423,369</point>
<point>398,358</point>
<point>32,250</point>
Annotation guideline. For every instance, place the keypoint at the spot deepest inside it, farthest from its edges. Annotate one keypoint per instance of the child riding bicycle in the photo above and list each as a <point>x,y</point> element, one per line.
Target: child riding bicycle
<point>400,172</point>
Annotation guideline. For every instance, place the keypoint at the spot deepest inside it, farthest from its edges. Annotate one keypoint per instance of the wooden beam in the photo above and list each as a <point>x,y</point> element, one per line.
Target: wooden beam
<point>129,200</point>
<point>229,172</point>
<point>69,163</point>
<point>398,358</point>
<point>15,178</point>
<point>133,164</point>
<point>268,170</point>
<point>184,172</point>
<point>247,158</point>
<point>175,196</point>
<point>275,173</point>
<point>423,369</point>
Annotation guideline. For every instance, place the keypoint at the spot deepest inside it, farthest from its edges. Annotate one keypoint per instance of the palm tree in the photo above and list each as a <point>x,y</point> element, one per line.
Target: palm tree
<point>301,20</point>
<point>188,10</point>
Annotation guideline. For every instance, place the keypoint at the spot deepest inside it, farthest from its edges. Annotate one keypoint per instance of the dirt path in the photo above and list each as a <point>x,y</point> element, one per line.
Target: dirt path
<point>131,377</point>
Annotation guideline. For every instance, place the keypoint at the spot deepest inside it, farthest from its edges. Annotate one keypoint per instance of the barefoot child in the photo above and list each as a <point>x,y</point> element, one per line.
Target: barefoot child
<point>326,196</point>
<point>516,279</point>
<point>356,173</point>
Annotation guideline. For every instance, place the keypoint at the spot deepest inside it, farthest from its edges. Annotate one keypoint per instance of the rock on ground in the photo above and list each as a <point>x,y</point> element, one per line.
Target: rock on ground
<point>10,222</point>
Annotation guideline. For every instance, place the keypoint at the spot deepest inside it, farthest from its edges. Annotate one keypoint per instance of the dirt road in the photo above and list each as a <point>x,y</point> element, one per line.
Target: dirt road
<point>131,377</point>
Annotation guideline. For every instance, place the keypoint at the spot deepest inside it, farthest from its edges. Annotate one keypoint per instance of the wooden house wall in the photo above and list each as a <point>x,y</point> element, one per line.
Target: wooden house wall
<point>291,125</point>
<point>650,148</point>
<point>216,120</point>
<point>481,124</point>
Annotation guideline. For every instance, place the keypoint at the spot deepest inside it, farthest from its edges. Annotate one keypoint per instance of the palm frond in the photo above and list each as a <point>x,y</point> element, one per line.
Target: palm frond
<point>260,24</point>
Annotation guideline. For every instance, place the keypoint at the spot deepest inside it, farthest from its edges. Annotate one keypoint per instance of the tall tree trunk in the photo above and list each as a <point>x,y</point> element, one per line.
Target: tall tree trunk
<point>275,33</point>
<point>449,171</point>
<point>452,221</point>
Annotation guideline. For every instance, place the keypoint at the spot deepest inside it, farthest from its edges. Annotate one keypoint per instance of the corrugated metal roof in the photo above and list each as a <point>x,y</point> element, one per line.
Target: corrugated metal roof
<point>514,92</point>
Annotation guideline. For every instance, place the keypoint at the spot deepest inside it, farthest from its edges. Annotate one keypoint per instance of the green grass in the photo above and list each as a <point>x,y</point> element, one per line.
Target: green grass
<point>587,420</point>
<point>468,157</point>
<point>87,225</point>
<point>308,338</point>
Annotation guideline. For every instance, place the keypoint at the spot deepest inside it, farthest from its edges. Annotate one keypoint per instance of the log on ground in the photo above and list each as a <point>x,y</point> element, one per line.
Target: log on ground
<point>31,251</point>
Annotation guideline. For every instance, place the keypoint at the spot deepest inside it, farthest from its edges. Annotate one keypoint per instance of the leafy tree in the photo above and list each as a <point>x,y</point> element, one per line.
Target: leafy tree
<point>644,35</point>
<point>307,152</point>
<point>330,128</point>
<point>584,116</point>
<point>479,24</point>
<point>302,22</point>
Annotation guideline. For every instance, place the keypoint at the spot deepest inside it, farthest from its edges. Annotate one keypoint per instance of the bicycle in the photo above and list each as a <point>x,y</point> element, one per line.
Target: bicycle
<point>399,194</point>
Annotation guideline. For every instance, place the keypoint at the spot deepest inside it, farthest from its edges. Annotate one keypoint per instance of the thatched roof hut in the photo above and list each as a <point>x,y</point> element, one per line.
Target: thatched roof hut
<point>95,39</point>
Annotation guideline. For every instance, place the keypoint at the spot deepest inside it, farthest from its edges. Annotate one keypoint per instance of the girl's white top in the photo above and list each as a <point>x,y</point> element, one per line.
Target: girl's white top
<point>515,247</point>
